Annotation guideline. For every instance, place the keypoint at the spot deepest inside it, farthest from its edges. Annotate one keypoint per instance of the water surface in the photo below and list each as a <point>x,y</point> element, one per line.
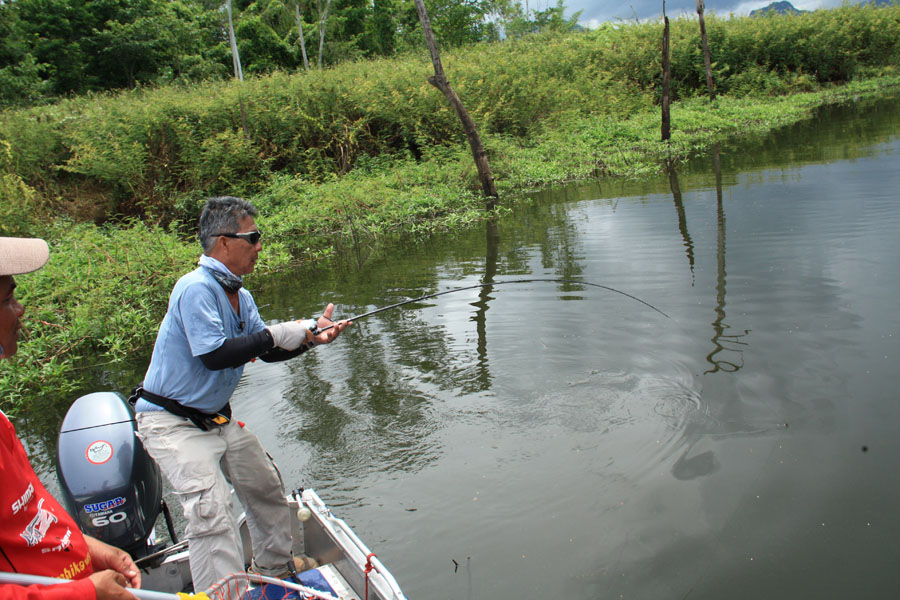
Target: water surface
<point>546,439</point>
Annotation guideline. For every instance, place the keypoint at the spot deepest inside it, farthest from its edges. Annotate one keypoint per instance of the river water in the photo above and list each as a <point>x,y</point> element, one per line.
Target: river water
<point>544,439</point>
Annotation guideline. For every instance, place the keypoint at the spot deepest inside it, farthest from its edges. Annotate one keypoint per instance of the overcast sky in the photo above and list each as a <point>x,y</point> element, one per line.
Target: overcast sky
<point>595,12</point>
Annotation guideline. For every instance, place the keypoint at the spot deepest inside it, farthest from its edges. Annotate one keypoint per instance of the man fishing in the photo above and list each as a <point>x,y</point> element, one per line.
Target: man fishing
<point>211,330</point>
<point>37,536</point>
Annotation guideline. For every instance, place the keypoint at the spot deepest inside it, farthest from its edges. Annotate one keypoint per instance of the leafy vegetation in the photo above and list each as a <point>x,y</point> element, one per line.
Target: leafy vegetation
<point>52,48</point>
<point>98,296</point>
<point>115,180</point>
<point>157,152</point>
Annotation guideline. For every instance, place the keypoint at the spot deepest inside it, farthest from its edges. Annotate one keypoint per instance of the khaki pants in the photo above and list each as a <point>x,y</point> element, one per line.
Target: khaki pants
<point>197,463</point>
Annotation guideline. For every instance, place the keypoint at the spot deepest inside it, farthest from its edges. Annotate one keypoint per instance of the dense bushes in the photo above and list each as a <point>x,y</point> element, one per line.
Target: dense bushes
<point>158,151</point>
<point>824,46</point>
<point>99,295</point>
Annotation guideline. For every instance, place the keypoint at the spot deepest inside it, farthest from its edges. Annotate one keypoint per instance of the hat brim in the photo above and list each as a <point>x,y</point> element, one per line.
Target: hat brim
<point>22,255</point>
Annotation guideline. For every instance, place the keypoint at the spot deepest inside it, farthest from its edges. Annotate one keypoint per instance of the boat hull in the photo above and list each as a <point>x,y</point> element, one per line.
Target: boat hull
<point>347,564</point>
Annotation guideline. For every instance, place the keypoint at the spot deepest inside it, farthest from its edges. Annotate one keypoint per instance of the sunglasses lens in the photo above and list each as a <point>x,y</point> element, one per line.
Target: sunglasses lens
<point>251,237</point>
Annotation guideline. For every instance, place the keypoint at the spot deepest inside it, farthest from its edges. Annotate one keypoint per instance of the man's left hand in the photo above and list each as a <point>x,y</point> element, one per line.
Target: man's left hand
<point>336,327</point>
<point>105,557</point>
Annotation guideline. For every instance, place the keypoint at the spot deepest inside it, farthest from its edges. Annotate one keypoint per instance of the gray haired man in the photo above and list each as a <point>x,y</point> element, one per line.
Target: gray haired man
<point>211,329</point>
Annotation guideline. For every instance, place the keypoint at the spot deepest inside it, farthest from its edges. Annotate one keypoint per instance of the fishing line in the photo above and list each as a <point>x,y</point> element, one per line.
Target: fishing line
<point>483,285</point>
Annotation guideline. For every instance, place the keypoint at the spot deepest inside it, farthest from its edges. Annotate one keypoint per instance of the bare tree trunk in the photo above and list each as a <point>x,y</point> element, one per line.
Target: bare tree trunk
<point>238,71</point>
<point>300,31</point>
<point>439,80</point>
<point>235,57</point>
<point>707,59</point>
<point>666,79</point>
<point>323,16</point>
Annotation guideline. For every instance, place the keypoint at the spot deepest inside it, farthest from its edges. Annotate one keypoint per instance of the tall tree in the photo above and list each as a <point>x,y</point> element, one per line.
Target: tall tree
<point>666,79</point>
<point>517,21</point>
<point>20,73</point>
<point>323,18</point>
<point>232,40</point>
<point>707,59</point>
<point>300,33</point>
<point>439,80</point>
<point>382,27</point>
<point>553,18</point>
<point>238,71</point>
<point>77,46</point>
<point>263,49</point>
<point>55,31</point>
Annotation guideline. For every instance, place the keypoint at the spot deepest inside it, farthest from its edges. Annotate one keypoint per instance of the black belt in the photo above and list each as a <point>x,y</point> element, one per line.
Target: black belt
<point>204,421</point>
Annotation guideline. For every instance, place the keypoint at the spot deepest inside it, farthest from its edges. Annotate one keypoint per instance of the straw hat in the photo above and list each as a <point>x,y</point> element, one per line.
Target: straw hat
<point>22,255</point>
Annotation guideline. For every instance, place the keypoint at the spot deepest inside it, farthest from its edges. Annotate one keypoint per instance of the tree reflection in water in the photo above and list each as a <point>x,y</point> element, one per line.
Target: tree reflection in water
<point>682,217</point>
<point>733,358</point>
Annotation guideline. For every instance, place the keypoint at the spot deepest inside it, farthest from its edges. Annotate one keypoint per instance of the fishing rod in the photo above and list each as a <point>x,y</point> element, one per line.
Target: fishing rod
<point>482,285</point>
<point>219,589</point>
<point>26,580</point>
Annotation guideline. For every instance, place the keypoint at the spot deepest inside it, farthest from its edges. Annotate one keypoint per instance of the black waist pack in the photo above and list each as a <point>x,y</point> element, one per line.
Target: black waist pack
<point>204,421</point>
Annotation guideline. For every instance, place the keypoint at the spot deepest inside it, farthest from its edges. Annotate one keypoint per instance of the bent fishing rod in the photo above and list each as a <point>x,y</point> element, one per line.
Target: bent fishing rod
<point>483,285</point>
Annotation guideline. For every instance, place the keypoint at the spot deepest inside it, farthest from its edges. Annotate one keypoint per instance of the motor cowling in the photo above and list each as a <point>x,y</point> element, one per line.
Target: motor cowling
<point>109,483</point>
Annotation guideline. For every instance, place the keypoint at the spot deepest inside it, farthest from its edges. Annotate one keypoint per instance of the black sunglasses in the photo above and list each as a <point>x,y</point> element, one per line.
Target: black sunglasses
<point>251,236</point>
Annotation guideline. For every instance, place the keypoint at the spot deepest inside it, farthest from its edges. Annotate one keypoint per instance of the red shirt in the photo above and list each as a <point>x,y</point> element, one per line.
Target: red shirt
<point>37,536</point>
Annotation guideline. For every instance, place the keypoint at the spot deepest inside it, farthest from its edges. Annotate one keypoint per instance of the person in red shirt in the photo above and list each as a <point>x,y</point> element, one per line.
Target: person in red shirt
<point>37,536</point>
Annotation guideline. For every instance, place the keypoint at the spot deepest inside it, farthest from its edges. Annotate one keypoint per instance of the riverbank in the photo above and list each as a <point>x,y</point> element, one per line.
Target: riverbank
<point>141,164</point>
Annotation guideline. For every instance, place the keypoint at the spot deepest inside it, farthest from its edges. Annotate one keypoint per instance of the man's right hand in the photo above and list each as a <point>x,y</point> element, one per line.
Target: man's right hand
<point>110,585</point>
<point>290,334</point>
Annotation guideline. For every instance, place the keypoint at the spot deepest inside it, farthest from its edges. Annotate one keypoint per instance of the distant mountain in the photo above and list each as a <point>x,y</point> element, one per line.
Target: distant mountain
<point>781,8</point>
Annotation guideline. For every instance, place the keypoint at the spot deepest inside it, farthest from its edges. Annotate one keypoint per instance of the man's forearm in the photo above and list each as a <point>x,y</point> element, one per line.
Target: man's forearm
<point>235,352</point>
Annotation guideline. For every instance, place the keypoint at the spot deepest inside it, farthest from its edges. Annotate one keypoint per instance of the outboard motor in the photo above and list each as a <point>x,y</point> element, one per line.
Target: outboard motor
<point>109,483</point>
